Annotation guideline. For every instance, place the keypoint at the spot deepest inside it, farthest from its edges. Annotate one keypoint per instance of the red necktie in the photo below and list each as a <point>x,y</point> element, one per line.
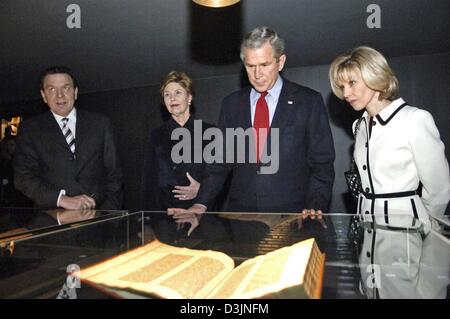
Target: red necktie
<point>261,124</point>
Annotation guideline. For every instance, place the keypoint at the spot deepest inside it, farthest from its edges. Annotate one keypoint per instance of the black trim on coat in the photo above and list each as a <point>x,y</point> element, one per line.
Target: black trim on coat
<point>372,254</point>
<point>367,158</point>
<point>386,217</point>
<point>383,122</point>
<point>413,204</point>
<point>390,195</point>
<point>360,200</point>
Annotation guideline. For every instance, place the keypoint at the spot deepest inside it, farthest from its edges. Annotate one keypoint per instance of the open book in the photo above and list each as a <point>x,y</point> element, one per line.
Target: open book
<point>163,271</point>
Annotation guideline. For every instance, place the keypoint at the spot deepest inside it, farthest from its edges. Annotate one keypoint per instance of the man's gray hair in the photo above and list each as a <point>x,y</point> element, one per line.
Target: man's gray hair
<point>259,36</point>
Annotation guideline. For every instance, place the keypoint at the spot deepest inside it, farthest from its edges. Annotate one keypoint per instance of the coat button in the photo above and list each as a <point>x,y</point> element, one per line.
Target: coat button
<point>364,167</point>
<point>367,189</point>
<point>368,254</point>
<point>374,123</point>
<point>367,145</point>
<point>369,231</point>
<point>367,212</point>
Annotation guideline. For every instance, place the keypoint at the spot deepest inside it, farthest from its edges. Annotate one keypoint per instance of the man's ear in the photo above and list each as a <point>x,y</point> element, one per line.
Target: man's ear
<point>281,62</point>
<point>43,97</point>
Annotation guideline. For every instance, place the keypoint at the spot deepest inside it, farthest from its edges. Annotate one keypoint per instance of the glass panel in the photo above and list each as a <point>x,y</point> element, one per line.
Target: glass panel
<point>400,258</point>
<point>17,220</point>
<point>33,264</point>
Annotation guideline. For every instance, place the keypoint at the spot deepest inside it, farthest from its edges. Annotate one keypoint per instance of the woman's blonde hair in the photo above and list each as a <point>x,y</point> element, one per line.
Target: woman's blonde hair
<point>177,77</point>
<point>374,69</point>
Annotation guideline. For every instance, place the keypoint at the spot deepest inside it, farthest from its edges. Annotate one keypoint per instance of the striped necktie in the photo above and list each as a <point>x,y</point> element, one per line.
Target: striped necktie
<point>68,135</point>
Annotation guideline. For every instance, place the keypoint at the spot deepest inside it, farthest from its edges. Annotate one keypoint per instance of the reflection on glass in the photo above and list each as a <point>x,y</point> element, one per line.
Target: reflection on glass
<point>63,217</point>
<point>410,259</point>
<point>403,258</point>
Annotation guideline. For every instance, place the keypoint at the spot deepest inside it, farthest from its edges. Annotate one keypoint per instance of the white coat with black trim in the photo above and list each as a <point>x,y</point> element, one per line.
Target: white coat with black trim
<point>394,152</point>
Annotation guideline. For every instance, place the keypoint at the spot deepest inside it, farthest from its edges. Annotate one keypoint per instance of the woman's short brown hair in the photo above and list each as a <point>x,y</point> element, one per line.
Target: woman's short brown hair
<point>374,69</point>
<point>178,77</point>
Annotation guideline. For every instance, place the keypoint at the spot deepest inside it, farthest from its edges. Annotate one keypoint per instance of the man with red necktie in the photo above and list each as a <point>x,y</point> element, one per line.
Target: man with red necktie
<point>304,180</point>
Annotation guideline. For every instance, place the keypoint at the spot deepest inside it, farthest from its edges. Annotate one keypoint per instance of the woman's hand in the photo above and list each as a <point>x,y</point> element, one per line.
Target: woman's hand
<point>191,215</point>
<point>187,192</point>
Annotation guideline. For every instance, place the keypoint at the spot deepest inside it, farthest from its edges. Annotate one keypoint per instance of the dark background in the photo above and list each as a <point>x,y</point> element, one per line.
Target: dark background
<point>124,48</point>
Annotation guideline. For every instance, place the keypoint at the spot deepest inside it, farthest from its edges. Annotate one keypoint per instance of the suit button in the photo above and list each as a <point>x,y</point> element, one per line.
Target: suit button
<point>374,123</point>
<point>367,189</point>
<point>366,145</point>
<point>368,254</point>
<point>367,212</point>
<point>364,167</point>
<point>369,231</point>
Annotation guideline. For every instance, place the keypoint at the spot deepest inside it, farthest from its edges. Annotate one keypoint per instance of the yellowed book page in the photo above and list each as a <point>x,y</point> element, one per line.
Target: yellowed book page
<point>118,260</point>
<point>314,274</point>
<point>163,270</point>
<point>269,274</point>
<point>233,282</point>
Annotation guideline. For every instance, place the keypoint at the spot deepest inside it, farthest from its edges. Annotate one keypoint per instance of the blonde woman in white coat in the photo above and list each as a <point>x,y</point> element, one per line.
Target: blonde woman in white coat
<point>397,148</point>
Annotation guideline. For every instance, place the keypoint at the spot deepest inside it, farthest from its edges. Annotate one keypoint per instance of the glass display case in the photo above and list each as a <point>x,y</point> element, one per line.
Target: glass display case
<point>403,259</point>
<point>36,246</point>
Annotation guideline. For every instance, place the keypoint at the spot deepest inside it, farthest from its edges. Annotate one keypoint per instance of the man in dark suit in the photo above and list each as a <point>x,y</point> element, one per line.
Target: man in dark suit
<point>66,157</point>
<point>305,173</point>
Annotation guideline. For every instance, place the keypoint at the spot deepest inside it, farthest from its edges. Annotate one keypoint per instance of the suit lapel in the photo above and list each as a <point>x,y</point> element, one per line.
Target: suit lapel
<point>246,118</point>
<point>285,107</point>
<point>54,132</point>
<point>83,134</point>
<point>283,114</point>
<point>81,128</point>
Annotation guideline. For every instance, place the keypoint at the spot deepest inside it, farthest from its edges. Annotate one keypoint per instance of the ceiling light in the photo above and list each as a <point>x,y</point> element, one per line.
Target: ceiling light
<point>216,3</point>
